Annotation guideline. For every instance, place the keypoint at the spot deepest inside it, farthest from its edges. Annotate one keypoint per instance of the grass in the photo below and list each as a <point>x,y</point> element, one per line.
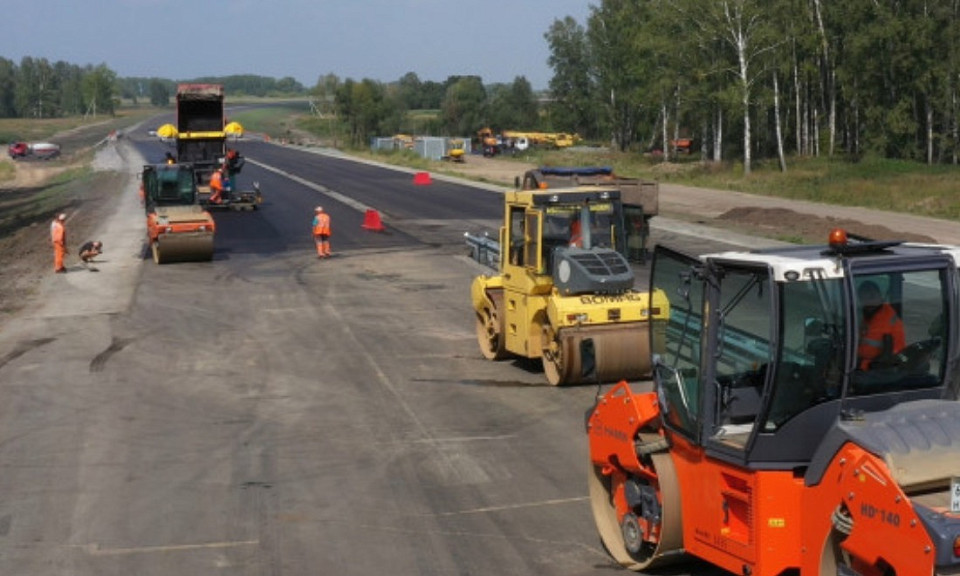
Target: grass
<point>31,130</point>
<point>279,121</point>
<point>38,204</point>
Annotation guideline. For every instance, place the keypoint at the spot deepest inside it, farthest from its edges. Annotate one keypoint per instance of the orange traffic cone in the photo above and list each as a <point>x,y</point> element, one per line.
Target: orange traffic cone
<point>371,221</point>
<point>421,178</point>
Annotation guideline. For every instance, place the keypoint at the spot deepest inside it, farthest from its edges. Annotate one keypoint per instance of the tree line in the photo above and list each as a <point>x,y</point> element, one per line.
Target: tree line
<point>764,77</point>
<point>461,105</point>
<point>38,88</point>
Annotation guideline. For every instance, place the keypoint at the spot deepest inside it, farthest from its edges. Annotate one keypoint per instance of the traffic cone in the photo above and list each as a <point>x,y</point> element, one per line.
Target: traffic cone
<point>421,178</point>
<point>371,221</point>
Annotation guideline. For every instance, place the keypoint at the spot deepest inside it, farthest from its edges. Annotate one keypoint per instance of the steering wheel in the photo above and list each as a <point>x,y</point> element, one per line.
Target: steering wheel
<point>917,354</point>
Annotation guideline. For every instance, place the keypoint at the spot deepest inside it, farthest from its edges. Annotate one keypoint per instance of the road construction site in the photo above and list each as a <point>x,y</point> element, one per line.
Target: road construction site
<point>270,413</point>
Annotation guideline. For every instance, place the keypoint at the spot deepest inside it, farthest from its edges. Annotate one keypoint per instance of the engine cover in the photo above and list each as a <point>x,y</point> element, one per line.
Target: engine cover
<point>593,271</point>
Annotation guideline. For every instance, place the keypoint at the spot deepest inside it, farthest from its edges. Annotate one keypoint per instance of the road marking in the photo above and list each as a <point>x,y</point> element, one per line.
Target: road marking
<point>95,549</point>
<point>488,509</point>
<point>358,206</point>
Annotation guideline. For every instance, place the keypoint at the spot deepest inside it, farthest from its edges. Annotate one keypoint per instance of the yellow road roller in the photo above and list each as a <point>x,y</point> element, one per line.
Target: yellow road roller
<point>563,291</point>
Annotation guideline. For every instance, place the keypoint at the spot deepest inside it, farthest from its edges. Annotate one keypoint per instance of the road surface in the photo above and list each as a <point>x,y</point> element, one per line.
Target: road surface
<point>268,413</point>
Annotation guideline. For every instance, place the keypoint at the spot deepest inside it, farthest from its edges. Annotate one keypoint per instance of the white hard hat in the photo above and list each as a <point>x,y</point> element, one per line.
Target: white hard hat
<point>62,216</point>
<point>318,209</point>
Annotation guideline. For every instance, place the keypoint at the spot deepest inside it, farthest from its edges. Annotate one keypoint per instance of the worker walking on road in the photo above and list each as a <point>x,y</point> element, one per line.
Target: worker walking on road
<point>58,236</point>
<point>216,186</point>
<point>321,232</point>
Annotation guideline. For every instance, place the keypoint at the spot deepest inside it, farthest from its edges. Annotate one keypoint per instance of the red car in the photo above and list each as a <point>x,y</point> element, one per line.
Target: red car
<point>18,150</point>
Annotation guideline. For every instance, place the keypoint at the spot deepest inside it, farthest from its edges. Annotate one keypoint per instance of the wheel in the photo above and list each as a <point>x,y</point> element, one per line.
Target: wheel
<point>834,560</point>
<point>627,541</point>
<point>489,335</point>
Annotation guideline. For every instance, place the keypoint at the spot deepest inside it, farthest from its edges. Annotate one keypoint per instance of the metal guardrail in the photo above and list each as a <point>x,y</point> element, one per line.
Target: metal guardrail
<point>484,249</point>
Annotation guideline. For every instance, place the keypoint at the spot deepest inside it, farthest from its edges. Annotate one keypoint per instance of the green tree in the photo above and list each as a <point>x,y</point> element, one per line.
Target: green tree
<point>361,106</point>
<point>99,89</point>
<point>512,106</point>
<point>612,33</point>
<point>571,105</point>
<point>463,108</point>
<point>410,91</point>
<point>69,93</point>
<point>159,94</point>
<point>8,83</point>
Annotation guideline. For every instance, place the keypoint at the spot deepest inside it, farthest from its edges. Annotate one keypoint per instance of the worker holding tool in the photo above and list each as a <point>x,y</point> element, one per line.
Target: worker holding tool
<point>58,236</point>
<point>216,186</point>
<point>321,232</point>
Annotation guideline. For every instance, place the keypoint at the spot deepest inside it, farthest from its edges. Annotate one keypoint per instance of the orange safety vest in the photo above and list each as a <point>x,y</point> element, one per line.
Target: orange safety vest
<point>321,224</point>
<point>58,234</point>
<point>576,236</point>
<point>216,181</point>
<point>884,321</point>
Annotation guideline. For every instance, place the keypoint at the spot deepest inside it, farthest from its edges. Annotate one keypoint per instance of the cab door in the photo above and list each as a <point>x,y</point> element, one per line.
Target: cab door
<point>522,280</point>
<point>677,361</point>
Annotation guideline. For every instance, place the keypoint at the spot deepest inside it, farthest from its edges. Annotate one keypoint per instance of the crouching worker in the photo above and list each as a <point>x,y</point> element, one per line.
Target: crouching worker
<point>91,250</point>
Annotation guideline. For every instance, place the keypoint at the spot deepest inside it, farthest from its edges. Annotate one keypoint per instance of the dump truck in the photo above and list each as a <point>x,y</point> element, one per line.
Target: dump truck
<point>766,443</point>
<point>563,282</point>
<point>201,137</point>
<point>178,228</point>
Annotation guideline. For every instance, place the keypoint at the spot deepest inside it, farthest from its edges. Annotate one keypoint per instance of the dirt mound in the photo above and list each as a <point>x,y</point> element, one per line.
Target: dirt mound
<point>793,226</point>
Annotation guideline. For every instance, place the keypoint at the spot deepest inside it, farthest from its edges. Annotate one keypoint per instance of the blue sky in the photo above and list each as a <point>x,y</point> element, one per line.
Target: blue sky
<point>379,39</point>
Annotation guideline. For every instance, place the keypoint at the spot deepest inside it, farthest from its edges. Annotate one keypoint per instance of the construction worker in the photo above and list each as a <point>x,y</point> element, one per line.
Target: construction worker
<point>321,232</point>
<point>881,329</point>
<point>576,233</point>
<point>58,236</point>
<point>216,186</point>
<point>90,250</point>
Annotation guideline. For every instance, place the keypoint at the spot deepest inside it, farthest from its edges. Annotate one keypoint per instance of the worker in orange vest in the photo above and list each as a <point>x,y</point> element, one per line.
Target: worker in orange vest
<point>576,233</point>
<point>58,236</point>
<point>321,232</point>
<point>216,186</point>
<point>881,330</point>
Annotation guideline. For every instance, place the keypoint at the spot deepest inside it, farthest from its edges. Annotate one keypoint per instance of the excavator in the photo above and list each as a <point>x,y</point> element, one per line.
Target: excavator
<point>778,435</point>
<point>563,281</point>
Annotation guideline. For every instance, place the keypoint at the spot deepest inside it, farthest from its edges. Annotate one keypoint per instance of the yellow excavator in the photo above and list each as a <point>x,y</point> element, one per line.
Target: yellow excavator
<point>563,291</point>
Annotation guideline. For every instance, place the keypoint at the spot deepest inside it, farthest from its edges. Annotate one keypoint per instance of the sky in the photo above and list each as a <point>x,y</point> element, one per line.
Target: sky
<point>382,40</point>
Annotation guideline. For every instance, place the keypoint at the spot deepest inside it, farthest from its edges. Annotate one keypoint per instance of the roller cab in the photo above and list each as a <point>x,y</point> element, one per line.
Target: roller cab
<point>783,435</point>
